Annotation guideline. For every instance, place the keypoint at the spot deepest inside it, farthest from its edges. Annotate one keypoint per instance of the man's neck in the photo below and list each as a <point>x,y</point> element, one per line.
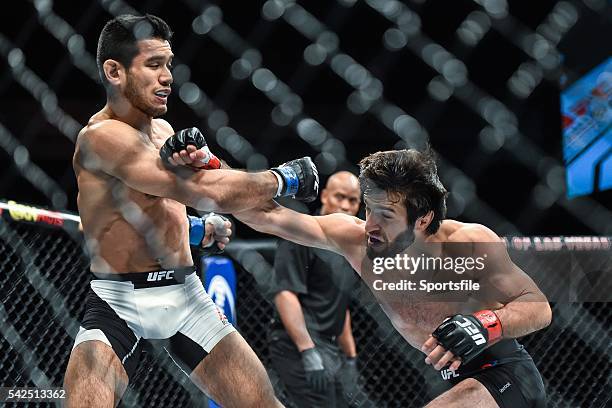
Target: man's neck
<point>122,110</point>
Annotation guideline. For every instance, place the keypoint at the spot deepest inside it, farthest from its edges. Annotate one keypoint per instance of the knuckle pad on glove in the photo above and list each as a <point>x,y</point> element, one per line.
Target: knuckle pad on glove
<point>165,153</point>
<point>179,141</point>
<point>195,138</point>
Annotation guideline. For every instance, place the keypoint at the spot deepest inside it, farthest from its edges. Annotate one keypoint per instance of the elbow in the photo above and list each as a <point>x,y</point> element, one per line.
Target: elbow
<point>545,312</point>
<point>546,315</point>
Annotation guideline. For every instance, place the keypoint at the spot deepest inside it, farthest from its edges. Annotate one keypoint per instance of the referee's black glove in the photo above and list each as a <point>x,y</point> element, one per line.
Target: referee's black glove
<point>348,371</point>
<point>316,376</point>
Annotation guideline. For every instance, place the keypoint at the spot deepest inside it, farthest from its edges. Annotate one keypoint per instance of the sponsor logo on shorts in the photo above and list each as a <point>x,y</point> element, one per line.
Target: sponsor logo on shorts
<point>504,388</point>
<point>157,276</point>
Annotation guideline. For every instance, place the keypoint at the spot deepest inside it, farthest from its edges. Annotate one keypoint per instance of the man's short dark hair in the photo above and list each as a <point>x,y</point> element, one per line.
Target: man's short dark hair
<point>119,38</point>
<point>412,175</point>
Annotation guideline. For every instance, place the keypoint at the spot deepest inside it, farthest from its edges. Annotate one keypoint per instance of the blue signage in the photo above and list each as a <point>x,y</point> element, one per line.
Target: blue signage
<point>587,132</point>
<point>220,284</point>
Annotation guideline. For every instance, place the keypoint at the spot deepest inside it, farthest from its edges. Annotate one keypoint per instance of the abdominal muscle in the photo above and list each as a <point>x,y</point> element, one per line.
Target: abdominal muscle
<point>117,245</point>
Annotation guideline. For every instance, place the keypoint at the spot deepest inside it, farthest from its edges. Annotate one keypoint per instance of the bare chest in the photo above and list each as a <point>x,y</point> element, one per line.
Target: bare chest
<point>140,232</point>
<point>413,313</point>
<point>414,319</point>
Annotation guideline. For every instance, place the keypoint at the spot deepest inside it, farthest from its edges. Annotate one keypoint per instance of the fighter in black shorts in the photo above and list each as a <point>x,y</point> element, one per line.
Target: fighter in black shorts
<point>508,373</point>
<point>469,333</point>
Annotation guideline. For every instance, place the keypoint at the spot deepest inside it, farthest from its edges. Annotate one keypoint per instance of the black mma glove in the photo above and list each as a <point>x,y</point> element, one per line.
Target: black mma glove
<point>191,136</point>
<point>298,179</point>
<point>466,336</point>
<point>197,231</point>
<point>316,376</point>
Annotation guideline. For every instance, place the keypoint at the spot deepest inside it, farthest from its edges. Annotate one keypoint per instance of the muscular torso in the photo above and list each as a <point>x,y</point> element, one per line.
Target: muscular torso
<point>412,314</point>
<point>126,230</point>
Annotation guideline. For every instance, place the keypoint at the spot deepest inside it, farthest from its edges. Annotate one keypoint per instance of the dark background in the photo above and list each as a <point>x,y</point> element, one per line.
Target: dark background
<point>516,189</point>
<point>505,185</point>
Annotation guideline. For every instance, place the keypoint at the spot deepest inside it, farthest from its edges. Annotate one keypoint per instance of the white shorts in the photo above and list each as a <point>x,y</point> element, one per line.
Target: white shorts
<point>166,305</point>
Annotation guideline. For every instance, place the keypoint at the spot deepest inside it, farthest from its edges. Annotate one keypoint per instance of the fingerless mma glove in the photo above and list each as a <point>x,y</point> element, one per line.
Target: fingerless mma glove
<point>298,179</point>
<point>466,336</point>
<point>191,136</point>
<point>197,231</point>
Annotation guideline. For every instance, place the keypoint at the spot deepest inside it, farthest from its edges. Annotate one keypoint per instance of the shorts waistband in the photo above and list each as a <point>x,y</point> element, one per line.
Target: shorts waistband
<point>149,279</point>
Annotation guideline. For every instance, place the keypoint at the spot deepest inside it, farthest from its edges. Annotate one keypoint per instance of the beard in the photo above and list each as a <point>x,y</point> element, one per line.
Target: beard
<point>138,100</point>
<point>392,248</point>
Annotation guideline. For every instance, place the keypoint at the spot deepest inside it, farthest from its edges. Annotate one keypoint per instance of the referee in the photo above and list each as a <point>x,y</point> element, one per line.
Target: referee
<point>310,340</point>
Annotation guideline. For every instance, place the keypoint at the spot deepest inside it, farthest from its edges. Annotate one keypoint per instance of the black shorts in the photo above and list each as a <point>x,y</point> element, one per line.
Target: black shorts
<point>509,374</point>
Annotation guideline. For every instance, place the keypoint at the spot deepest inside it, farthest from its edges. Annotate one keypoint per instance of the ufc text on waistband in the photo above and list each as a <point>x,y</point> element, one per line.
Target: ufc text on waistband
<point>150,279</point>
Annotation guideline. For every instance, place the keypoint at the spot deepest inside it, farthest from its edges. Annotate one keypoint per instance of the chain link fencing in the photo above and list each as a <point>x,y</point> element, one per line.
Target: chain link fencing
<point>44,279</point>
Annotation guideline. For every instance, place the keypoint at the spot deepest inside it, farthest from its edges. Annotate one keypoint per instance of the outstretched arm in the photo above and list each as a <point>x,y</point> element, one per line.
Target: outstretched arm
<point>118,150</point>
<point>334,232</point>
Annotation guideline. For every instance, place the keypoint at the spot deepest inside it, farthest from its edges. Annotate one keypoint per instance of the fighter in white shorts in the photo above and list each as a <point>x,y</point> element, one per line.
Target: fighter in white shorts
<point>133,213</point>
<point>122,309</point>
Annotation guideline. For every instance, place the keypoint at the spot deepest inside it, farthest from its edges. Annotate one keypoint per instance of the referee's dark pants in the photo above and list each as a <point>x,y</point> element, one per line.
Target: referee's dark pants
<point>287,362</point>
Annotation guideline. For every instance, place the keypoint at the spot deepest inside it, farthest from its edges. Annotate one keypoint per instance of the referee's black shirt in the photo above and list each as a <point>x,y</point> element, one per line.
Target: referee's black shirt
<point>323,282</point>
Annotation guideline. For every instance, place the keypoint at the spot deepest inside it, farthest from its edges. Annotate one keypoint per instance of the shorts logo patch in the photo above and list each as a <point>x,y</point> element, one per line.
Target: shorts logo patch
<point>504,388</point>
<point>157,276</point>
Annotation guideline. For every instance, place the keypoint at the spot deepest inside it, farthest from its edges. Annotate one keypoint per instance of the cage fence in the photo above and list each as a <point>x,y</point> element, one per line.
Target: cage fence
<point>45,279</point>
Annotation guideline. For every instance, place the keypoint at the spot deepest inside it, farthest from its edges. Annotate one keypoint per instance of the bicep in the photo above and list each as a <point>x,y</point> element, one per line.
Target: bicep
<point>506,280</point>
<point>328,232</point>
<point>144,172</point>
<point>120,152</point>
<point>287,303</point>
<point>285,223</point>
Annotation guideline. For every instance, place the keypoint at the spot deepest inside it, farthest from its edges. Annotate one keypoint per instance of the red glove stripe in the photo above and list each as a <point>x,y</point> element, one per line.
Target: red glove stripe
<point>211,162</point>
<point>491,322</point>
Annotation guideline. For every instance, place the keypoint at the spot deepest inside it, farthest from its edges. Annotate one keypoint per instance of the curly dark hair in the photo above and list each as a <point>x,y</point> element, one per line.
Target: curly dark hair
<point>412,175</point>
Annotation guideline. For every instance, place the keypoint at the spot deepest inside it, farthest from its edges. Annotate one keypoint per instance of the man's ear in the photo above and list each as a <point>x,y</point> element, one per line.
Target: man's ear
<point>423,222</point>
<point>323,195</point>
<point>113,71</point>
